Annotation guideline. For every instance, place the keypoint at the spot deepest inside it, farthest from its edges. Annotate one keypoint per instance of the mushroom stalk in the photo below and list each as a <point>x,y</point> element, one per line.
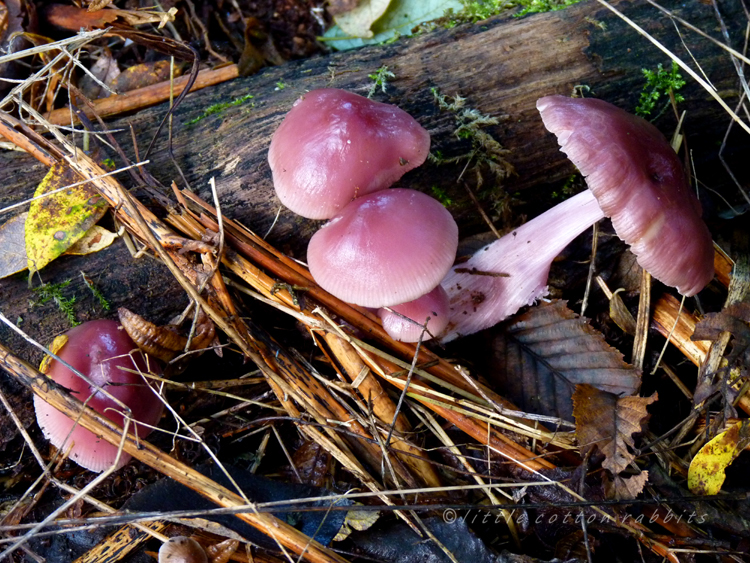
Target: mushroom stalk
<point>512,272</point>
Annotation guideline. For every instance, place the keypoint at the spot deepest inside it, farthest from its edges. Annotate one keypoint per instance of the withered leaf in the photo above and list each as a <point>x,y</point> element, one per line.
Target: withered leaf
<point>609,423</point>
<point>733,319</point>
<point>620,488</point>
<point>539,356</point>
<point>144,74</point>
<point>105,69</point>
<point>12,241</point>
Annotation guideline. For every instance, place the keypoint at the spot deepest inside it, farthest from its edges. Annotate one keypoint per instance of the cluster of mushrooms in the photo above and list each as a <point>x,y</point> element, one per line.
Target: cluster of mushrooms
<point>334,157</point>
<point>335,154</point>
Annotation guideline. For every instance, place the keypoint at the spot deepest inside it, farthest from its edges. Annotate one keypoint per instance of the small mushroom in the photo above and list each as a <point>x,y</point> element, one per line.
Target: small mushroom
<point>384,249</point>
<point>634,177</point>
<point>181,549</point>
<point>334,146</point>
<point>406,322</point>
<point>104,353</point>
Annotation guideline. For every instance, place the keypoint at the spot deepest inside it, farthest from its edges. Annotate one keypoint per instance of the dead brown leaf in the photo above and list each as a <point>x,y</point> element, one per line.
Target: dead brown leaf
<point>621,488</point>
<point>733,319</point>
<point>106,71</point>
<point>609,422</point>
<point>142,75</point>
<point>73,19</point>
<point>539,357</point>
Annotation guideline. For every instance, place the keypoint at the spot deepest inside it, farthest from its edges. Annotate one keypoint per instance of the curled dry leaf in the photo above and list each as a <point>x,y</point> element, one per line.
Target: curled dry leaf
<point>609,422</point>
<point>706,473</point>
<point>222,551</point>
<point>96,238</point>
<point>164,342</point>
<point>539,357</point>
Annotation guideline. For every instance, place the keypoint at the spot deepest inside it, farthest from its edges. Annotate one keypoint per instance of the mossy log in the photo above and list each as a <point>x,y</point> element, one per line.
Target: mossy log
<point>501,66</point>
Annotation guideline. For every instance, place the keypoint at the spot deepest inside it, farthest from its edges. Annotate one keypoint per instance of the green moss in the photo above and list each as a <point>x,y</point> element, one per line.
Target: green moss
<point>659,82</point>
<point>539,6</point>
<point>478,10</point>
<point>441,195</point>
<point>380,80</point>
<point>53,292</point>
<point>218,108</point>
<point>485,157</point>
<point>95,290</point>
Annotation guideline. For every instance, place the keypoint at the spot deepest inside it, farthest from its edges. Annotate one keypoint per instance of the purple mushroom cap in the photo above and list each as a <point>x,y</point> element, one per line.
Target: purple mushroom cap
<point>639,183</point>
<point>334,146</point>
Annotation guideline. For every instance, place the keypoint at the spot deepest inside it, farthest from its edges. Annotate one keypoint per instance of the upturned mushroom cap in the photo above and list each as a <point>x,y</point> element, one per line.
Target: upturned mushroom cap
<point>383,249</point>
<point>639,183</point>
<point>99,350</point>
<point>405,322</point>
<point>334,146</point>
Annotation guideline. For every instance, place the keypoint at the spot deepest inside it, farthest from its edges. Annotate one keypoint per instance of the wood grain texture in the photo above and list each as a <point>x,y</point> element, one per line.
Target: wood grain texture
<point>501,66</point>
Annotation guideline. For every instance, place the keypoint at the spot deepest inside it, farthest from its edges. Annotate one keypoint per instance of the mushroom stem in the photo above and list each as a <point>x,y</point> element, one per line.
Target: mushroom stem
<point>512,272</point>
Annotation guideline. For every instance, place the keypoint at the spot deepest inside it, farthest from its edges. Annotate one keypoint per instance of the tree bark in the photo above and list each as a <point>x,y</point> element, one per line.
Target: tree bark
<point>501,66</point>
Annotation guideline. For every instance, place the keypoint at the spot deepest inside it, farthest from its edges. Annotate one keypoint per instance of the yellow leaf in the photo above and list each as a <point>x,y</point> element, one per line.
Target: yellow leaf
<point>59,220</point>
<point>13,255</point>
<point>706,473</point>
<point>96,238</point>
<point>55,347</point>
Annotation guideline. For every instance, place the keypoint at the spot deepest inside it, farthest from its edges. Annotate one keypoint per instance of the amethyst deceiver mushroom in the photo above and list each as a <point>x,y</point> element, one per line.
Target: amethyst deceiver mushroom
<point>406,322</point>
<point>104,353</point>
<point>634,177</point>
<point>384,249</point>
<point>334,146</point>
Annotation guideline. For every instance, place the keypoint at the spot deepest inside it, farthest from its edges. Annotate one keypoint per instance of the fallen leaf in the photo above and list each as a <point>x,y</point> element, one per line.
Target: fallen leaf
<point>358,21</point>
<point>105,69</point>
<point>13,257</point>
<point>733,319</point>
<point>336,7</point>
<point>73,18</point>
<point>706,473</point>
<point>539,357</point>
<point>609,422</point>
<point>96,238</point>
<point>144,74</point>
<point>401,17</point>
<point>56,222</point>
<point>620,488</point>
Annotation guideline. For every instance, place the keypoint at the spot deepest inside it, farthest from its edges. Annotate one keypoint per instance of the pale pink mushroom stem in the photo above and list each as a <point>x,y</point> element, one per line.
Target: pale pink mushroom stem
<point>512,272</point>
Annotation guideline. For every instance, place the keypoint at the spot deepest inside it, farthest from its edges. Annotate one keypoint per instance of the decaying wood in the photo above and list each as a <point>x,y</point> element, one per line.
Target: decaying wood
<point>501,66</point>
